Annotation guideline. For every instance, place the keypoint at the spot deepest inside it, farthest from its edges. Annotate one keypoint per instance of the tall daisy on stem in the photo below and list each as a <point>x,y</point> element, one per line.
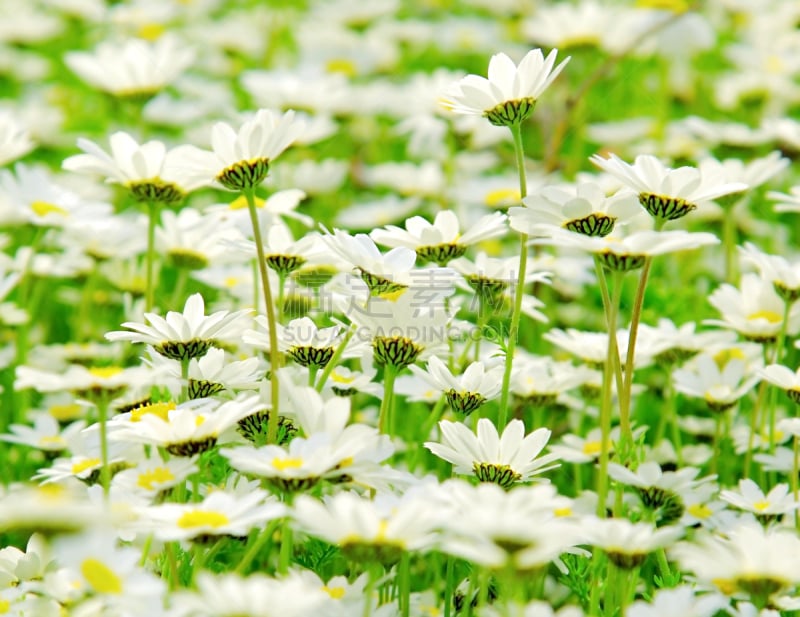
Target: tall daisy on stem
<point>666,194</point>
<point>240,162</point>
<point>507,98</point>
<point>149,171</point>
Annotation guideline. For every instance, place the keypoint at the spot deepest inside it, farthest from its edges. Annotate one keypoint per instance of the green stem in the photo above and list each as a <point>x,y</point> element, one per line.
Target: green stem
<point>185,379</point>
<point>519,151</point>
<point>179,291</point>
<point>334,361</point>
<point>274,358</point>
<point>433,418</point>
<point>312,375</point>
<point>152,221</point>
<point>754,424</point>
<point>627,382</point>
<point>611,308</point>
<point>287,547</point>
<point>449,586</point>
<point>281,294</point>
<point>404,585</point>
<point>173,577</point>
<point>263,538</point>
<point>663,565</point>
<point>385,420</point>
<point>729,243</point>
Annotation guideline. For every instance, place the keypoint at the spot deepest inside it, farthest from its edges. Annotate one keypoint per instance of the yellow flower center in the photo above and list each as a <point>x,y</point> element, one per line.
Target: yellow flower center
<point>231,282</point>
<point>157,409</point>
<point>676,6</point>
<point>725,585</point>
<point>240,203</point>
<point>392,296</point>
<point>770,316</point>
<point>65,412</point>
<point>337,593</point>
<point>43,208</point>
<point>562,512</point>
<point>592,447</point>
<point>775,64</point>
<point>726,355</point>
<point>282,464</point>
<point>202,518</point>
<point>151,32</point>
<point>345,66</point>
<point>699,510</point>
<point>339,378</point>
<point>84,465</point>
<point>761,505</point>
<point>100,577</point>
<point>159,475</point>
<point>105,372</point>
<point>5,606</point>
<point>51,441</point>
<point>501,197</point>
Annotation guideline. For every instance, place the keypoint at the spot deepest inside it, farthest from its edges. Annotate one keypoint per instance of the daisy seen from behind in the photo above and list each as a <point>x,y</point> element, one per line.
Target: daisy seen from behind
<point>466,393</point>
<point>509,94</point>
<point>240,159</point>
<point>666,193</point>
<point>186,335</point>
<point>501,459</point>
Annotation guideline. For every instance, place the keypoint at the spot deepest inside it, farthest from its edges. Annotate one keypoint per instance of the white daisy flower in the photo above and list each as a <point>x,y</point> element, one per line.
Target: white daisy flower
<point>86,382</point>
<point>721,386</point>
<point>382,528</point>
<point>786,202</point>
<point>181,336</point>
<point>240,159</point>
<point>666,193</point>
<point>153,476</point>
<point>300,466</point>
<point>631,251</point>
<point>46,434</point>
<point>784,275</point>
<point>184,430</point>
<point>220,513</point>
<point>133,68</point>
<point>683,600</point>
<point>510,93</point>
<point>748,559</point>
<point>627,544</point>
<point>751,498</point>
<point>303,341</point>
<point>467,392</point>
<point>540,380</point>
<point>384,275</point>
<point>754,310</point>
<point>149,171</point>
<point>503,460</point>
<point>576,449</point>
<point>662,492</point>
<point>526,527</point>
<point>403,330</point>
<point>441,240</point>
<point>230,595</point>
<point>113,573</point>
<point>191,240</point>
<point>582,208</point>
<point>783,377</point>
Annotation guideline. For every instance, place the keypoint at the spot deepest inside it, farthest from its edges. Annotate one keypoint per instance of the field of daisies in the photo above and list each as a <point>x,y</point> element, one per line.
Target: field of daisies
<point>430,308</point>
